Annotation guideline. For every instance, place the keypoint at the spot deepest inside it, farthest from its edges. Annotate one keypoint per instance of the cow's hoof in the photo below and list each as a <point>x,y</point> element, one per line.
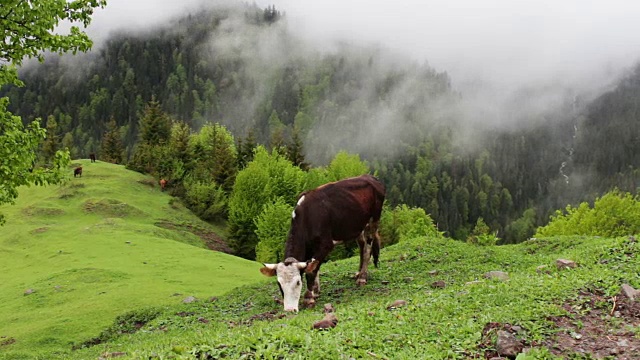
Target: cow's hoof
<point>361,282</point>
<point>309,303</point>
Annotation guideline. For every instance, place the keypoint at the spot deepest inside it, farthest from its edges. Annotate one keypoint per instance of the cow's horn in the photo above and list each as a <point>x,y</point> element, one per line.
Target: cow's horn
<point>301,265</point>
<point>271,266</point>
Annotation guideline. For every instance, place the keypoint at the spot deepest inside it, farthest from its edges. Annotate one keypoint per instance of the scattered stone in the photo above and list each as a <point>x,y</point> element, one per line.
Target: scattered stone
<point>472,282</point>
<point>29,291</point>
<point>543,269</point>
<point>433,272</point>
<point>629,292</point>
<point>329,321</point>
<point>565,264</point>
<point>213,299</point>
<point>576,336</point>
<point>516,328</point>
<point>507,344</point>
<point>371,313</point>
<point>623,343</point>
<point>189,299</point>
<point>396,304</point>
<point>499,275</point>
<point>328,308</point>
<point>438,284</point>
<point>109,355</point>
<point>203,320</point>
<point>408,279</point>
<point>385,282</point>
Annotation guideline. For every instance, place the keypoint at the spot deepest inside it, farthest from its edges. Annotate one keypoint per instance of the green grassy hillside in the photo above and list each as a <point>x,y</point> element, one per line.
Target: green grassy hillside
<point>452,311</point>
<point>99,246</point>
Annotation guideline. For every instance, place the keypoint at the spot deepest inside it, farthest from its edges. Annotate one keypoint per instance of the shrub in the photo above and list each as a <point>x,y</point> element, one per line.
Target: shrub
<point>404,222</point>
<point>614,214</point>
<point>272,227</point>
<point>208,200</point>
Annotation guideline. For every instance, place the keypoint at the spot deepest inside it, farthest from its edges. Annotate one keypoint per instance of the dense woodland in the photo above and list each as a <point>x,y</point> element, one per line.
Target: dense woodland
<point>193,101</point>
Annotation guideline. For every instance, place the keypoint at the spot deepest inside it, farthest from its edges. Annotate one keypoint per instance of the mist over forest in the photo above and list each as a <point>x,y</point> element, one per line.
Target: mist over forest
<point>509,152</point>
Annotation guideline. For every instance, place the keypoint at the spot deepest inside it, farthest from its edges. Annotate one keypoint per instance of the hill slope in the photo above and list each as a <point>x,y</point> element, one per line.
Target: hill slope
<point>452,310</point>
<point>101,245</point>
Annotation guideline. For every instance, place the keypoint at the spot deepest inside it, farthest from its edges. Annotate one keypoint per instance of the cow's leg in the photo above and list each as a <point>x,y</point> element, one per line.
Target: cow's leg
<point>313,287</point>
<point>364,241</point>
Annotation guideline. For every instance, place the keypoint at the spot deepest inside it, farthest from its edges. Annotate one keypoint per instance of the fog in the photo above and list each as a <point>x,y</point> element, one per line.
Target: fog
<point>500,42</point>
<point>511,61</point>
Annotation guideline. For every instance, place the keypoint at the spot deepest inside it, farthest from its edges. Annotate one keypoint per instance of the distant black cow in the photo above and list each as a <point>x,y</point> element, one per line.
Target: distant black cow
<point>341,211</point>
<point>77,171</point>
<point>92,156</point>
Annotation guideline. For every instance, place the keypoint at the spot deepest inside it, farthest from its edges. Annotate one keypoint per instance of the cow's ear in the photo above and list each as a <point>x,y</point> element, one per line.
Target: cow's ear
<point>312,266</point>
<point>269,269</point>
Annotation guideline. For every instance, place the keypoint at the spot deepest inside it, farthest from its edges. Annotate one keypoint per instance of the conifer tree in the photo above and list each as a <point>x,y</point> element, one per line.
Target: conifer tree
<point>111,147</point>
<point>51,143</point>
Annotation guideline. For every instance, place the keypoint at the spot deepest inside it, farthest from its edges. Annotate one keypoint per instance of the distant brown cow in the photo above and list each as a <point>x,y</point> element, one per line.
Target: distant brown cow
<point>163,184</point>
<point>346,210</point>
<point>77,171</point>
<point>92,156</point>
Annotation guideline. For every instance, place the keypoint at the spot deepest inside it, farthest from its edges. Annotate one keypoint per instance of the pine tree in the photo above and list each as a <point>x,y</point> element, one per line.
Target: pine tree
<point>111,147</point>
<point>155,125</point>
<point>51,143</point>
<point>295,151</point>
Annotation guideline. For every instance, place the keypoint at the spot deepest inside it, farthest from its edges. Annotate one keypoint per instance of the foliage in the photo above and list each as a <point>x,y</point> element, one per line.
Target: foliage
<point>481,235</point>
<point>208,200</point>
<point>345,165</point>
<point>111,147</point>
<point>28,31</point>
<point>267,177</point>
<point>404,222</point>
<point>521,229</point>
<point>613,214</point>
<point>272,227</point>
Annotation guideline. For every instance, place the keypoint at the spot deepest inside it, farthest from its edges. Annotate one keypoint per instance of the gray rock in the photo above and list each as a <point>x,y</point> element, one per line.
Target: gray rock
<point>29,291</point>
<point>565,264</point>
<point>189,299</point>
<point>396,304</point>
<point>499,275</point>
<point>328,308</point>
<point>507,344</point>
<point>629,292</point>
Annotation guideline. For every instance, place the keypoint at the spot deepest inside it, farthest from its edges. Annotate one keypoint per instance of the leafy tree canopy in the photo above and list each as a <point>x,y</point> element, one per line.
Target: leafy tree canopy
<point>28,30</point>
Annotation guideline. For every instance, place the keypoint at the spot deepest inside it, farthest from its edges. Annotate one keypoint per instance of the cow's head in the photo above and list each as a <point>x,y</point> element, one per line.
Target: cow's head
<point>289,275</point>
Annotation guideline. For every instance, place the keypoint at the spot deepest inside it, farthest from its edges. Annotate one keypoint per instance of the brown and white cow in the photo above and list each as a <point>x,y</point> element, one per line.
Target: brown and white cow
<point>345,210</point>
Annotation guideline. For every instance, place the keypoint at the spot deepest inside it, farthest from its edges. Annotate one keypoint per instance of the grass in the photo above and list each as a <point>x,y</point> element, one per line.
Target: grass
<point>436,323</point>
<point>90,251</point>
<point>104,278</point>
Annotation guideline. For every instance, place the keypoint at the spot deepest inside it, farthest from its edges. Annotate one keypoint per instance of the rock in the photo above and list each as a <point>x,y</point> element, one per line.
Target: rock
<point>328,308</point>
<point>507,344</point>
<point>384,282</point>
<point>408,279</point>
<point>213,299</point>
<point>499,275</point>
<point>396,304</point>
<point>189,300</point>
<point>438,284</point>
<point>472,282</point>
<point>433,272</point>
<point>543,269</point>
<point>629,292</point>
<point>329,321</point>
<point>565,264</point>
<point>29,291</point>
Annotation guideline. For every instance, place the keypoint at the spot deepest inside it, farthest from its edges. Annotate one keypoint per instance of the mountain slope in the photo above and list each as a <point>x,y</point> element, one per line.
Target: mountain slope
<point>452,311</point>
<point>73,257</point>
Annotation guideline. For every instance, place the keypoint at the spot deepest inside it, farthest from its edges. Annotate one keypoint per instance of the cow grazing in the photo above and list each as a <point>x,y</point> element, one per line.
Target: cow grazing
<point>92,156</point>
<point>163,184</point>
<point>346,210</point>
<point>77,171</point>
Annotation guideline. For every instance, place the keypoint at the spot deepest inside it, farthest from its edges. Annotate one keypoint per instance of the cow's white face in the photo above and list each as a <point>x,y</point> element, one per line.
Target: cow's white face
<point>289,280</point>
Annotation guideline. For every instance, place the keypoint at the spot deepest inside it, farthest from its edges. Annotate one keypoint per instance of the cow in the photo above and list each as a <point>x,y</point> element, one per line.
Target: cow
<point>92,156</point>
<point>163,184</point>
<point>340,211</point>
<point>77,171</point>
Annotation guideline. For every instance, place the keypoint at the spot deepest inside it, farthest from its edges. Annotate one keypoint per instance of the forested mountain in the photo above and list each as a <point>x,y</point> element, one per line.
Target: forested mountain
<point>244,68</point>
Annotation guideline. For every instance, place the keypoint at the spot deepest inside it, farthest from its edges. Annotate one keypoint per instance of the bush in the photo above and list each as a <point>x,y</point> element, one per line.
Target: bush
<point>481,234</point>
<point>272,228</point>
<point>614,214</point>
<point>207,200</point>
<point>404,222</point>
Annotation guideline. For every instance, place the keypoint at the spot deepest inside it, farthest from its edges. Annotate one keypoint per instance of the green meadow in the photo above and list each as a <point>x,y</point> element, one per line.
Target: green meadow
<point>75,256</point>
<point>110,259</point>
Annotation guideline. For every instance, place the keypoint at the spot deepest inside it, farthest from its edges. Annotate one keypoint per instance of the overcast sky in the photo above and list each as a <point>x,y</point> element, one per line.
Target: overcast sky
<point>505,41</point>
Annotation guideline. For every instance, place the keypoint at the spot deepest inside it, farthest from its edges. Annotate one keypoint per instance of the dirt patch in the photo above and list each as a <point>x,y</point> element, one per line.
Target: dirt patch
<point>210,238</point>
<point>487,345</point>
<point>269,315</point>
<point>6,341</point>
<point>598,326</point>
<point>42,211</point>
<point>111,208</point>
<point>148,182</point>
<point>39,230</point>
